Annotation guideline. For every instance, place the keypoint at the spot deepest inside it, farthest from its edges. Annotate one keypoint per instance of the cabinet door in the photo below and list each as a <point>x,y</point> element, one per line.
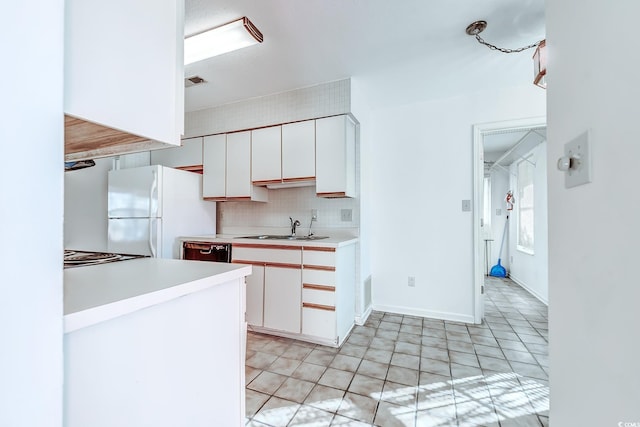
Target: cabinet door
<point>101,66</point>
<point>319,322</point>
<point>282,298</point>
<point>239,164</point>
<point>266,159</point>
<point>335,157</point>
<point>189,154</point>
<point>214,154</point>
<point>255,295</point>
<point>299,151</point>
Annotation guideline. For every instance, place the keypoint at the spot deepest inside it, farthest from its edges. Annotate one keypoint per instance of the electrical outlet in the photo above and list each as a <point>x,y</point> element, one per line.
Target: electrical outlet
<point>412,282</point>
<point>346,215</point>
<point>498,212</point>
<point>314,214</point>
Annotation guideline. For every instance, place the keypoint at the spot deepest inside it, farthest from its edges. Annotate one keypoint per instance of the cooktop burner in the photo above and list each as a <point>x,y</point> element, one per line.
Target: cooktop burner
<point>83,258</point>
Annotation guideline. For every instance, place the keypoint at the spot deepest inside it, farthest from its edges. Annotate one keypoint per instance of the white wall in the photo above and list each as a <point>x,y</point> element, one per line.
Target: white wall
<point>31,192</point>
<point>594,289</point>
<point>531,270</point>
<point>85,207</point>
<point>421,158</point>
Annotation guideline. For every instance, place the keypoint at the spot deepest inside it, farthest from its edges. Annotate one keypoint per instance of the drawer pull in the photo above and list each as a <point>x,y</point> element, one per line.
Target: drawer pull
<point>319,267</point>
<point>318,306</point>
<point>319,287</point>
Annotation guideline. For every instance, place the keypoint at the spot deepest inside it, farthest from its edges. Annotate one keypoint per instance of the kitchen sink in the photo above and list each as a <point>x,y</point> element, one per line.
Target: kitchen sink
<point>284,237</point>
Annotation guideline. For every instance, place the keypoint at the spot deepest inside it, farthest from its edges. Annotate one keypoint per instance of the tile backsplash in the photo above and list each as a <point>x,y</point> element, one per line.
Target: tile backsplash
<point>284,203</point>
<point>326,99</point>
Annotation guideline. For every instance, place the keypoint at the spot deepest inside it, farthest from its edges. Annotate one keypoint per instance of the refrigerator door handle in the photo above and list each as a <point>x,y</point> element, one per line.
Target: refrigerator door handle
<point>152,248</point>
<point>153,189</point>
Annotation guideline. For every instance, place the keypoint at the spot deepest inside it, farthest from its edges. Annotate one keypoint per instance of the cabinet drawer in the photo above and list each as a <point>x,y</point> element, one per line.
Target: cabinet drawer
<point>273,254</point>
<point>318,277</point>
<point>319,257</point>
<point>313,295</point>
<point>319,323</point>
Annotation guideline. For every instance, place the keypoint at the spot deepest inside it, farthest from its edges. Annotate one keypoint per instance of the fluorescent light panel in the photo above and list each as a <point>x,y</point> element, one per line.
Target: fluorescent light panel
<point>225,38</point>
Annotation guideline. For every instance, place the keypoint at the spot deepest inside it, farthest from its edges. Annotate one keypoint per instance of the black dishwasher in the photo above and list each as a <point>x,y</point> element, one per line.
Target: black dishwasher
<point>204,251</point>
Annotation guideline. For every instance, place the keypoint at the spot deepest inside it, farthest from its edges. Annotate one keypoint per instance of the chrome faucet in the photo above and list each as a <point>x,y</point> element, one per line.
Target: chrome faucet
<point>294,224</point>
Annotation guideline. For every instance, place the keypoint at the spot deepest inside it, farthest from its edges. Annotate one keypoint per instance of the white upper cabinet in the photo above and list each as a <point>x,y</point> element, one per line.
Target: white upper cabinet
<point>186,157</point>
<point>239,165</point>
<point>214,167</point>
<point>227,168</point>
<point>336,157</point>
<point>124,71</point>
<point>299,151</point>
<point>266,159</point>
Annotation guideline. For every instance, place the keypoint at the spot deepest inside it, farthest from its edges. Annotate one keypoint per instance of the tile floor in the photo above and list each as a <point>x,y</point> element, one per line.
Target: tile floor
<point>408,371</point>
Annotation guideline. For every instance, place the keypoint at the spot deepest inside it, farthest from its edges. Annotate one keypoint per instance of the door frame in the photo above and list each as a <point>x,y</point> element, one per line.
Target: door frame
<point>479,130</point>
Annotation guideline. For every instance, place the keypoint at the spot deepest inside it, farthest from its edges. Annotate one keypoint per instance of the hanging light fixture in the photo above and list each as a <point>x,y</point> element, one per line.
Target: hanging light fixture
<point>225,38</point>
<point>539,58</point>
<point>540,65</point>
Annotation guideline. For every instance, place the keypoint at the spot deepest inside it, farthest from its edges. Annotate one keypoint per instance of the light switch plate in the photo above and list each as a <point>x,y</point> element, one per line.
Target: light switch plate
<point>466,206</point>
<point>579,148</point>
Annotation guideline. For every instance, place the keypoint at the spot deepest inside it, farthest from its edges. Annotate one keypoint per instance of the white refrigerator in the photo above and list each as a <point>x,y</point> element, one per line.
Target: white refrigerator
<point>150,207</point>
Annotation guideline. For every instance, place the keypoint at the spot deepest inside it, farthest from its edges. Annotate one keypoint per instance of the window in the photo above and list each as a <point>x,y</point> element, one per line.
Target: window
<point>524,206</point>
<point>486,205</point>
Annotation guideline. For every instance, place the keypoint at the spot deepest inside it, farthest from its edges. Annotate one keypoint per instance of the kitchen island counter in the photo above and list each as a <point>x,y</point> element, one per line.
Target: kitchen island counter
<point>97,293</point>
<point>157,342</point>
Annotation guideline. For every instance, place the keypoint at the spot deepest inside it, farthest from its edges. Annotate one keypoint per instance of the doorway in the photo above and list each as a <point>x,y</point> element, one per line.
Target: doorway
<point>502,151</point>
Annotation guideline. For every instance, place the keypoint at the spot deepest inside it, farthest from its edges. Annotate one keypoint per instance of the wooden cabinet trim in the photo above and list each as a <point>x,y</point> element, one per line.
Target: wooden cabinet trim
<point>81,135</point>
<point>318,306</point>
<point>267,264</point>
<point>244,261</point>
<point>215,199</point>
<point>334,195</point>
<point>193,168</point>
<point>267,182</point>
<point>326,288</point>
<point>318,248</point>
<point>301,179</point>
<point>258,246</point>
<point>319,267</point>
<point>279,265</point>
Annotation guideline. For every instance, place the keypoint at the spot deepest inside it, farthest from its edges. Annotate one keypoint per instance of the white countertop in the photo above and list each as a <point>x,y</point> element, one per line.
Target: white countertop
<point>96,293</point>
<point>330,242</point>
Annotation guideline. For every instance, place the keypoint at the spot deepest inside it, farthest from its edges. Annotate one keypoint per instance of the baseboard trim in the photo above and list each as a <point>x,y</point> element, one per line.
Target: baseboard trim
<point>440,315</point>
<point>528,289</point>
<point>361,320</point>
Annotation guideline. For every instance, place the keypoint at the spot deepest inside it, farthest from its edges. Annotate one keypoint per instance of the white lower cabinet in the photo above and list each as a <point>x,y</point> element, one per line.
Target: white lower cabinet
<point>328,292</point>
<point>319,322</point>
<point>274,289</point>
<point>282,298</point>
<point>306,293</point>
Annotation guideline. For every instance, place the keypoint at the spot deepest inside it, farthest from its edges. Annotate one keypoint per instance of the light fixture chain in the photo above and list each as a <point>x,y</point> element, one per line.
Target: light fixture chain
<point>502,49</point>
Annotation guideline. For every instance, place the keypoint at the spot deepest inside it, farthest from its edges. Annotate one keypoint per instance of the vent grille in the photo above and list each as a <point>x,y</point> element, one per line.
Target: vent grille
<point>193,81</point>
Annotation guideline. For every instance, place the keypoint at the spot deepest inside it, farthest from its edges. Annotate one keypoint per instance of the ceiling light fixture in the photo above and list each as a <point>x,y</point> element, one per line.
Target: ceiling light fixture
<point>539,58</point>
<point>225,38</point>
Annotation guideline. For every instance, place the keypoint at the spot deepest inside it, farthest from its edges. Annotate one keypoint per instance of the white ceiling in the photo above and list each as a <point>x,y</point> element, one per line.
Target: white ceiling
<point>307,42</point>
